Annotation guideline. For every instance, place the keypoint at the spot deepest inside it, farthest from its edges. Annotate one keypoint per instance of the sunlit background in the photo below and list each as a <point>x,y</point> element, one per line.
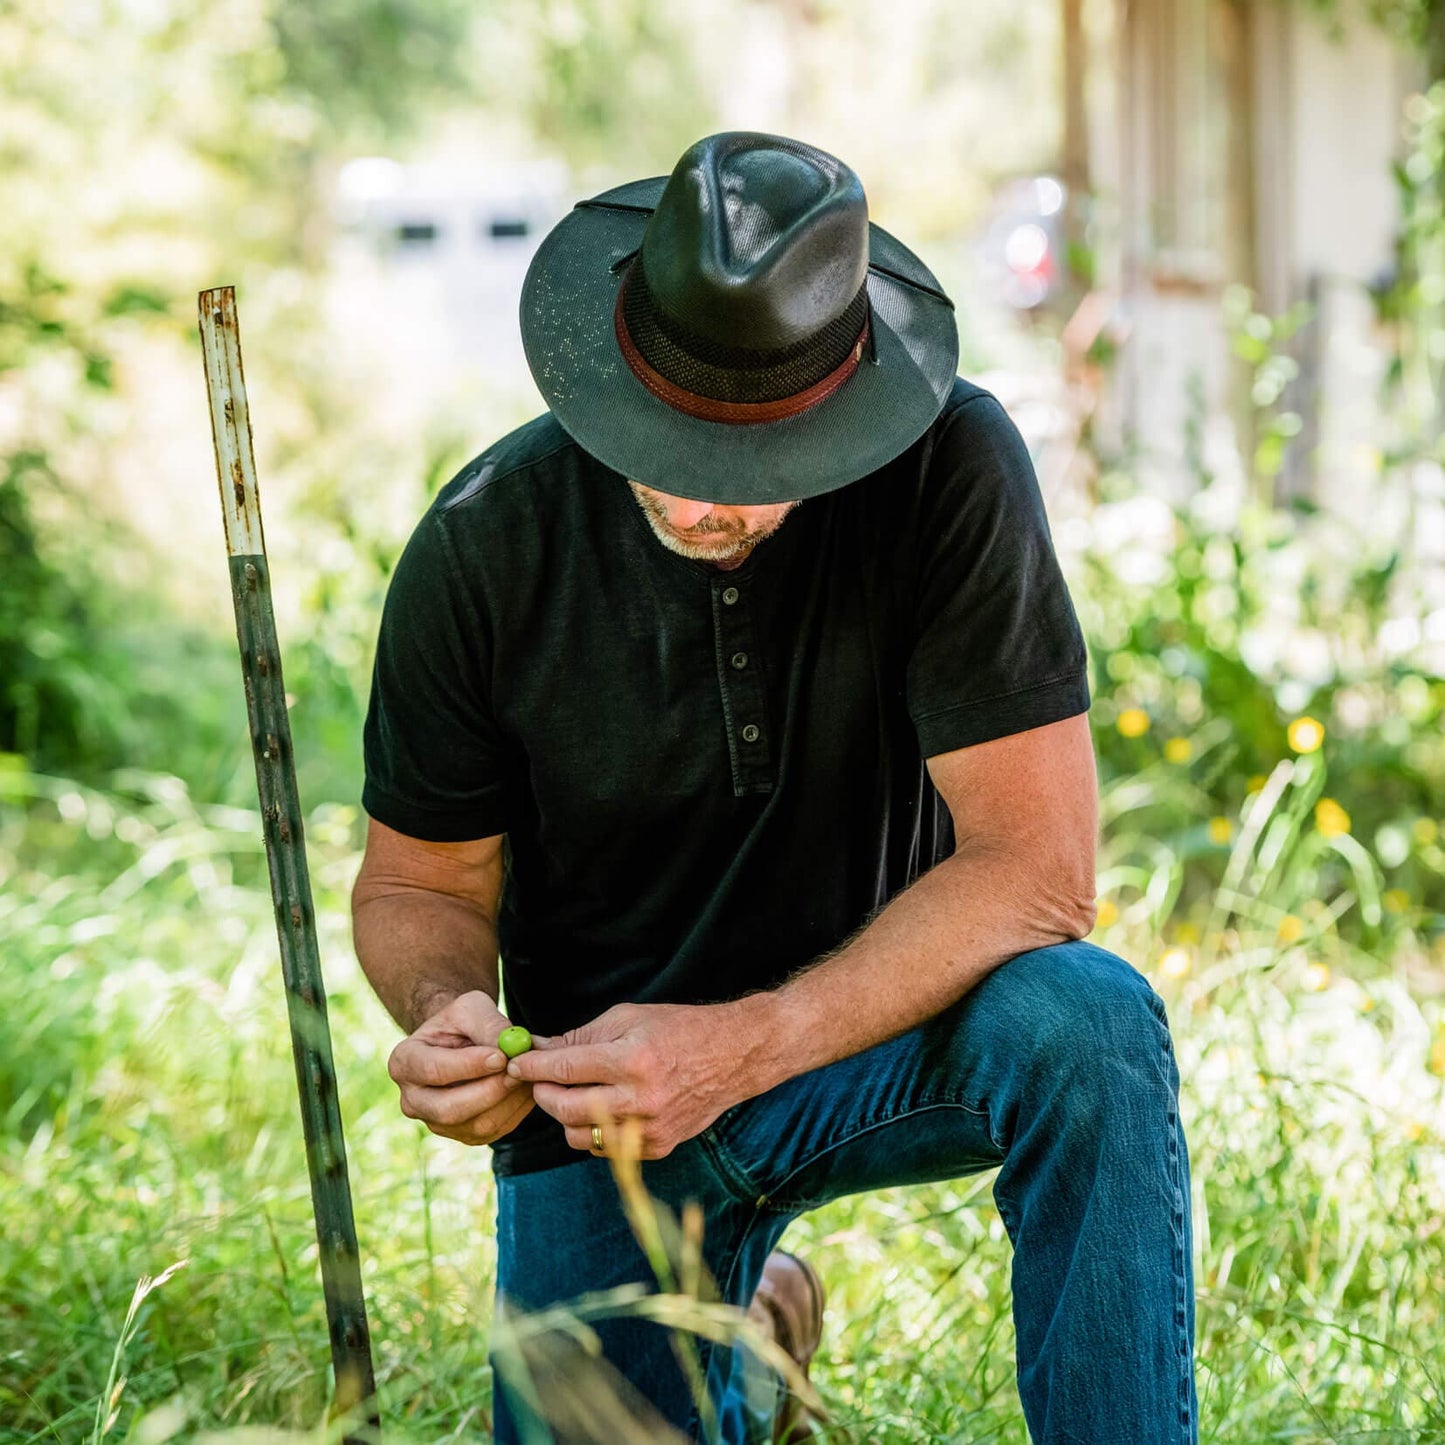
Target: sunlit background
<point>1197,249</point>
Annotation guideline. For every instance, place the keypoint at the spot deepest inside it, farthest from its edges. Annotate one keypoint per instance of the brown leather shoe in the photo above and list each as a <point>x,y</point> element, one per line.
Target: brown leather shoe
<point>789,1304</point>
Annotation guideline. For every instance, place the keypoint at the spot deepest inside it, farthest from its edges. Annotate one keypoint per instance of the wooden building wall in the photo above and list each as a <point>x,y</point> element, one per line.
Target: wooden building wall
<point>1251,146</point>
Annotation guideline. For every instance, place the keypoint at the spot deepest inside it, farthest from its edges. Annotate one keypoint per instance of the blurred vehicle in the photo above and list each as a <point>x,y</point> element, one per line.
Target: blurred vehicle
<point>442,248</point>
<point>1020,245</point>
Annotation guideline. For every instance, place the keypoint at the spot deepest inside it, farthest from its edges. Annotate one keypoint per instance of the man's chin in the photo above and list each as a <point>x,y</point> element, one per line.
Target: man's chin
<point>714,547</point>
<point>721,550</point>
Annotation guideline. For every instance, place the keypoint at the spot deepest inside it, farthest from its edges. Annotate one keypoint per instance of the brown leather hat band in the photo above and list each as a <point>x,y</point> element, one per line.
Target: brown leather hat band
<point>708,408</point>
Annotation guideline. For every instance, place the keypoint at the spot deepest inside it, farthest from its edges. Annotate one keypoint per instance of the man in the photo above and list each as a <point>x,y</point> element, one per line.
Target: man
<point>739,702</point>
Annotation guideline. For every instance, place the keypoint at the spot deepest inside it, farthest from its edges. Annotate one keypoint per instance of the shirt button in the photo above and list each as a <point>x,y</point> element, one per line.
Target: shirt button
<point>730,595</point>
<point>740,660</point>
<point>750,733</point>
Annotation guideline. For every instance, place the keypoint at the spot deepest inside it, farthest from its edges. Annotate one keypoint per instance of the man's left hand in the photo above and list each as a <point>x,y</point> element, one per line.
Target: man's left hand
<point>674,1067</point>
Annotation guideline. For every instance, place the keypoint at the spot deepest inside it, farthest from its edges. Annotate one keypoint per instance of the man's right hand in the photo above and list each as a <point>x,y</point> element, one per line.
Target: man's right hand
<point>453,1076</point>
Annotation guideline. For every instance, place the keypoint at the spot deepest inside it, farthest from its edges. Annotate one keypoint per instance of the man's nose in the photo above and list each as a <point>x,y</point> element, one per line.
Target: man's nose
<point>685,514</point>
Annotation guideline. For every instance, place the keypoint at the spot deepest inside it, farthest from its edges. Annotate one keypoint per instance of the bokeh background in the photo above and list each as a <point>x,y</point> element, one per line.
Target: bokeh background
<point>1197,249</point>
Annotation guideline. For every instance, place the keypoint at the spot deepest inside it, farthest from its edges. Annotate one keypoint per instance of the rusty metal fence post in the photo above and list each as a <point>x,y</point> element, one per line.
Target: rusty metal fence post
<point>286,857</point>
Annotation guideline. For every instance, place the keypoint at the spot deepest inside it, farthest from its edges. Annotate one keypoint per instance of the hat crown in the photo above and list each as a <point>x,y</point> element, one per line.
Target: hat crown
<point>757,240</point>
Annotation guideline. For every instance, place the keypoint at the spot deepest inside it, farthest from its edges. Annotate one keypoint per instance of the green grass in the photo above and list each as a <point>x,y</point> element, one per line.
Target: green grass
<point>147,1118</point>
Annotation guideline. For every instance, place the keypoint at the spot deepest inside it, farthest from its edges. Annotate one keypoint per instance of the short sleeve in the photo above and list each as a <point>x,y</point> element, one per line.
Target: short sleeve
<point>436,766</point>
<point>996,647</point>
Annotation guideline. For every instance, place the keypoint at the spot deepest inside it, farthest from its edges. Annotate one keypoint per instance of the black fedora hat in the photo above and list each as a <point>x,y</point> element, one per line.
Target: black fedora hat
<point>738,331</point>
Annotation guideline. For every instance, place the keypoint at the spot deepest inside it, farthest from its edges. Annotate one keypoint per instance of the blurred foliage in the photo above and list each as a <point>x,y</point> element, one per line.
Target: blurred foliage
<point>58,700</point>
<point>604,83</point>
<point>1411,301</point>
<point>1227,651</point>
<point>146,149</point>
<point>1419,24</point>
<point>1244,651</point>
<point>1259,341</point>
<point>364,70</point>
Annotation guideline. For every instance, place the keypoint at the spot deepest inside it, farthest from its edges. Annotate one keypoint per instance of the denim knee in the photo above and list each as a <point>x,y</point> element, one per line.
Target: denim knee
<point>1082,1021</point>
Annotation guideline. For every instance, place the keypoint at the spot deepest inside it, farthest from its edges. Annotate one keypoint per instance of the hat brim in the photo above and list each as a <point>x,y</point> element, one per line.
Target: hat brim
<point>567,306</point>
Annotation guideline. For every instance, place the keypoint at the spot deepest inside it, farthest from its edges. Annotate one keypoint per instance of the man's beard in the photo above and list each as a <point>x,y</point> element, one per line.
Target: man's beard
<point>710,540</point>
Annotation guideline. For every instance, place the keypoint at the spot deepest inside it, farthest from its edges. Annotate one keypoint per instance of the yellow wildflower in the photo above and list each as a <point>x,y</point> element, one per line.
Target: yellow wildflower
<point>1396,900</point>
<point>1413,1130</point>
<point>1133,722</point>
<point>1331,819</point>
<point>1221,830</point>
<point>1436,1063</point>
<point>1256,782</point>
<point>1306,734</point>
<point>1317,976</point>
<point>1108,913</point>
<point>1291,929</point>
<point>1178,750</point>
<point>1175,962</point>
<point>1367,1004</point>
<point>1186,932</point>
<point>1425,831</point>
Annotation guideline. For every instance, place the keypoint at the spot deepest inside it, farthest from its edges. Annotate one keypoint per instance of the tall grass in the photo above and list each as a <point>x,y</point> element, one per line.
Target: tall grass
<point>149,1118</point>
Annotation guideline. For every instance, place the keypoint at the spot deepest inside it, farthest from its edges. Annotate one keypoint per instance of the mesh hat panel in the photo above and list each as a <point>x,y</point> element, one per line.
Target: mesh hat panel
<point>735,373</point>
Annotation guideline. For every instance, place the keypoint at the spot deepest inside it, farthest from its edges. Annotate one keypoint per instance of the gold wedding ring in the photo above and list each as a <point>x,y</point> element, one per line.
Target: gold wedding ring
<point>597,1138</point>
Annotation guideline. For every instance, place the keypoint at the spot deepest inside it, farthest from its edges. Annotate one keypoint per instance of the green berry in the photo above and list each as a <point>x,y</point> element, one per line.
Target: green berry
<point>513,1041</point>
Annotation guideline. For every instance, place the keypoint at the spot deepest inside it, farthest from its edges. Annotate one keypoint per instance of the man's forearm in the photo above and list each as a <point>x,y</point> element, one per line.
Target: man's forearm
<point>928,947</point>
<point>420,950</point>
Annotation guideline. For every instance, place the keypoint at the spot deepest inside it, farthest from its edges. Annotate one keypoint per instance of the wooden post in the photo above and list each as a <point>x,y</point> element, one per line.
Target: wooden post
<point>286,857</point>
<point>1074,167</point>
<point>1236,22</point>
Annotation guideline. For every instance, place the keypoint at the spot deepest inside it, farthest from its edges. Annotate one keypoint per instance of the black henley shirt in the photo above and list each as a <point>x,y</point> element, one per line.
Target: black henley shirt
<point>706,777</point>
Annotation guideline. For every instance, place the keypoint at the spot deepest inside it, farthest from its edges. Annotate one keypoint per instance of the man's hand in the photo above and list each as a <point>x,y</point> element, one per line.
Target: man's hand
<point>675,1067</point>
<point>453,1077</point>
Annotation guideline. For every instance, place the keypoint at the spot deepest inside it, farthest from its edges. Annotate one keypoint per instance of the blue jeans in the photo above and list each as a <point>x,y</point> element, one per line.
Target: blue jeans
<point>1059,1069</point>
